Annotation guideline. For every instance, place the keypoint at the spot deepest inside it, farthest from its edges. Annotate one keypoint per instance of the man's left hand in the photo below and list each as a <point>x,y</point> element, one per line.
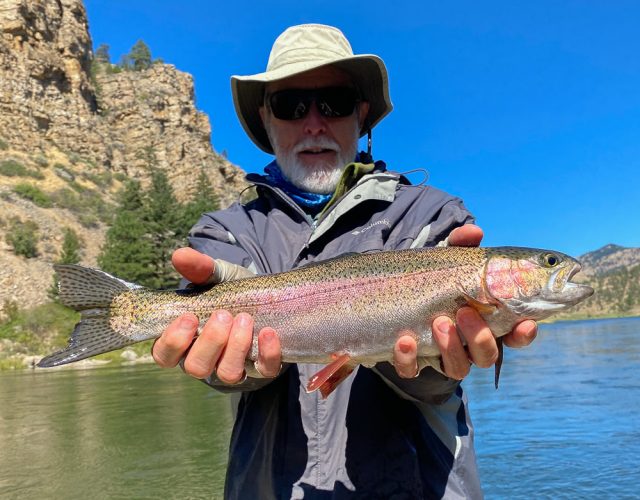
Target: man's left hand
<point>481,348</point>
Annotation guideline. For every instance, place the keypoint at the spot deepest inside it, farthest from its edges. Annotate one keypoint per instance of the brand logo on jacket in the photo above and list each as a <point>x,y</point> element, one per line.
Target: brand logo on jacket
<point>381,222</point>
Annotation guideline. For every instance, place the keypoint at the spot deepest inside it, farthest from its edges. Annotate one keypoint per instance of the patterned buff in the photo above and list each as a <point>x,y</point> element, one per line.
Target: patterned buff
<point>311,202</point>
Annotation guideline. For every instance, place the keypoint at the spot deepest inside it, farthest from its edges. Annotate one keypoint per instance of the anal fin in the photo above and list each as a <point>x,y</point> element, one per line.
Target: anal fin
<point>332,374</point>
<point>334,380</point>
<point>499,360</point>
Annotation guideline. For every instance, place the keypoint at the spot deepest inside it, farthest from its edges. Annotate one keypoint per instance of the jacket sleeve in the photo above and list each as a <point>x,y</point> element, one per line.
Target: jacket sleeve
<point>210,237</point>
<point>429,386</point>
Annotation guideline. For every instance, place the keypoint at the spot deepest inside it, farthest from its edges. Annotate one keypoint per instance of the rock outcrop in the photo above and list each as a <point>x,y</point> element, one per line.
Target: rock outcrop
<point>74,129</point>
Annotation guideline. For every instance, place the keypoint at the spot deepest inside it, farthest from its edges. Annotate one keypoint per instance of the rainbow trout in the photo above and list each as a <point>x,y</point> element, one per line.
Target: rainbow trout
<point>345,311</point>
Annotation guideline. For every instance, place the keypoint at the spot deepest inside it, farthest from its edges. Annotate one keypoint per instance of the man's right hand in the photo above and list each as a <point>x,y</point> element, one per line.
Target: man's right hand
<point>224,341</point>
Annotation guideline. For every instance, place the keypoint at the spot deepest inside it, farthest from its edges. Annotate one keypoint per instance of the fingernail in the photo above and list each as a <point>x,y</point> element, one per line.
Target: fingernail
<point>223,316</point>
<point>186,324</point>
<point>442,325</point>
<point>244,319</point>
<point>268,336</point>
<point>405,347</point>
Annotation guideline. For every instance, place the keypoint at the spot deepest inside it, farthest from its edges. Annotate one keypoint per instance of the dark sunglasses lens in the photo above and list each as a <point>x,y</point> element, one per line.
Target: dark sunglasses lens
<point>290,104</point>
<point>332,102</point>
<point>336,102</point>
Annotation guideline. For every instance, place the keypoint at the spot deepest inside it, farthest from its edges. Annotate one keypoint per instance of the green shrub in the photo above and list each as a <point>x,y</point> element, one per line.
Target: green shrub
<point>41,161</point>
<point>23,237</point>
<point>74,158</point>
<point>89,220</point>
<point>87,204</point>
<point>3,145</point>
<point>77,187</point>
<point>103,179</point>
<point>32,193</point>
<point>11,168</point>
<point>40,328</point>
<point>10,309</point>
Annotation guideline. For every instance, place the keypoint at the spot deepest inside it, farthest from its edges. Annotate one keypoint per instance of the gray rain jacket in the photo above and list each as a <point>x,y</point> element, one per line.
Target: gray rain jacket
<point>377,435</point>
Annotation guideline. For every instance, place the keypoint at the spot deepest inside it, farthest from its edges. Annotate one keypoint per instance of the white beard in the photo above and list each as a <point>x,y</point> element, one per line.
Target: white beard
<point>322,178</point>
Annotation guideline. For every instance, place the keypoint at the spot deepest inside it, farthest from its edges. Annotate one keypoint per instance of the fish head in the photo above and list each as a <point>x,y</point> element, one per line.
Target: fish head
<point>532,283</point>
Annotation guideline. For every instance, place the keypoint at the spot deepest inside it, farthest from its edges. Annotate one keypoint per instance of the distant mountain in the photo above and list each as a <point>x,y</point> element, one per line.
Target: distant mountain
<point>614,272</point>
<point>609,258</point>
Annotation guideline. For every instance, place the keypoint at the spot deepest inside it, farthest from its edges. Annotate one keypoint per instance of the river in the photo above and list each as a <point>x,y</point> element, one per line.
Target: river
<point>565,423</point>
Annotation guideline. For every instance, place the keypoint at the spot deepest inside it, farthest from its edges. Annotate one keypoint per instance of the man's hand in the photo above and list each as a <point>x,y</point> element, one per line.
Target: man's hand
<point>481,348</point>
<point>224,341</point>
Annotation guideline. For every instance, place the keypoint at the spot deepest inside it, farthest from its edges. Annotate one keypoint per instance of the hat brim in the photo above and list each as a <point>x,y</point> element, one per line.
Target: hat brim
<point>367,71</point>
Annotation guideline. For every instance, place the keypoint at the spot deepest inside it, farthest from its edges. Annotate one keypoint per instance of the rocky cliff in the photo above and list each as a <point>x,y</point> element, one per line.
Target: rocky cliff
<point>71,131</point>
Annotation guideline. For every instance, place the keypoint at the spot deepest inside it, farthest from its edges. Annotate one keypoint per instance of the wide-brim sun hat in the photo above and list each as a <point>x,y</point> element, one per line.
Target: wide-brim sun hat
<point>303,48</point>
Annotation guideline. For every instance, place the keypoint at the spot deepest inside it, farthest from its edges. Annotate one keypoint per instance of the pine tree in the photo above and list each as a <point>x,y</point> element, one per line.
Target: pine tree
<point>140,56</point>
<point>127,251</point>
<point>162,215</point>
<point>71,248</point>
<point>102,54</point>
<point>203,200</point>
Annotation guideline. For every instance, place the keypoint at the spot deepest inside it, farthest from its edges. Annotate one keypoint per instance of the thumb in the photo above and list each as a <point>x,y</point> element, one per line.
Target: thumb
<point>468,235</point>
<point>193,265</point>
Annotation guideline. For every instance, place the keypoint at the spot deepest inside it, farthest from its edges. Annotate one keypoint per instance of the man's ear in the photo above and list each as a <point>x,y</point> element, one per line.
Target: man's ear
<point>363,111</point>
<point>262,112</point>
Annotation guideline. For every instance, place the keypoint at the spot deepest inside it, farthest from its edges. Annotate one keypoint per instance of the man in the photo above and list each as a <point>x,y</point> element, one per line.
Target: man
<point>392,431</point>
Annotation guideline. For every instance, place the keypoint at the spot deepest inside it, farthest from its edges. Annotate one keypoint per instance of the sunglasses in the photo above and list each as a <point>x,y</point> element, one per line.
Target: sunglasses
<point>332,102</point>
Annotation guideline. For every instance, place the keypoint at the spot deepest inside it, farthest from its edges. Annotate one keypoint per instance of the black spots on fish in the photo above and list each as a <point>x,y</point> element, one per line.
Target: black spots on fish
<point>92,336</point>
<point>85,288</point>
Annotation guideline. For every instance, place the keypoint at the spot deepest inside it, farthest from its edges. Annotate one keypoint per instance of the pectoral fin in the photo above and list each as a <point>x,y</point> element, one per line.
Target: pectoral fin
<point>486,309</point>
<point>328,378</point>
<point>481,307</point>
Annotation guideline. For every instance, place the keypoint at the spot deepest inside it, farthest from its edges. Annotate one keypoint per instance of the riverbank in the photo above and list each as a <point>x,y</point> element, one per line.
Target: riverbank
<point>127,357</point>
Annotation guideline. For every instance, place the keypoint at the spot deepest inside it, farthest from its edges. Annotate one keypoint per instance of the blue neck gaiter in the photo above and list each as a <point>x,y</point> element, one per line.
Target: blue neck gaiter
<point>310,202</point>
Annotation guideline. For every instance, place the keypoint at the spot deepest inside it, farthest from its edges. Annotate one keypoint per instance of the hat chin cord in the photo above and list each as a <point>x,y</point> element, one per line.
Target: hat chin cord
<point>369,157</point>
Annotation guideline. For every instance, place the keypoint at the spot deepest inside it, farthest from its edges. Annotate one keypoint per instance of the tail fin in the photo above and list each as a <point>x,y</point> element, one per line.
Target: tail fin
<point>91,292</point>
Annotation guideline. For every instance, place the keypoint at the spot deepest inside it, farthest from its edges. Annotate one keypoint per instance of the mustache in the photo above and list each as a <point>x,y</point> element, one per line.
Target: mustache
<point>316,142</point>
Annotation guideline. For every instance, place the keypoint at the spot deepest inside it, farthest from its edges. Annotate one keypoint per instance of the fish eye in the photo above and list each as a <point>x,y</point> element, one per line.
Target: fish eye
<point>550,260</point>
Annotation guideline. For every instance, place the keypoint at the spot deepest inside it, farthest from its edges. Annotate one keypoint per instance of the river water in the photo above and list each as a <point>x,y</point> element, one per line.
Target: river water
<point>565,423</point>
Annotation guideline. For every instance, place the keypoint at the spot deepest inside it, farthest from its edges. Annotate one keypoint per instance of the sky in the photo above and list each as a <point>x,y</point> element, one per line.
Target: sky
<point>528,111</point>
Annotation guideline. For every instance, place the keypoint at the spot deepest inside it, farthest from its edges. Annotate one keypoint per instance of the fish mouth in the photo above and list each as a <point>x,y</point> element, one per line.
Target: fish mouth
<point>562,290</point>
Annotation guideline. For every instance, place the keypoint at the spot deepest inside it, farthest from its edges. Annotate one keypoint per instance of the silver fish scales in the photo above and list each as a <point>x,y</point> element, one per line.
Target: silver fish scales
<point>353,307</point>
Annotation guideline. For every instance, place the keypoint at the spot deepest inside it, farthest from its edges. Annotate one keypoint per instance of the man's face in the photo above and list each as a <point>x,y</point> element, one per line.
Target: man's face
<point>313,150</point>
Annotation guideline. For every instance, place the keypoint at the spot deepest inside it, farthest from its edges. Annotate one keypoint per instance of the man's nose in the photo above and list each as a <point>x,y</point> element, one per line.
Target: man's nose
<point>314,122</point>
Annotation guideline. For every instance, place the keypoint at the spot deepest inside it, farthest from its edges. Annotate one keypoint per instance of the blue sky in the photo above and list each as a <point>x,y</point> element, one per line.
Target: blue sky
<point>529,111</point>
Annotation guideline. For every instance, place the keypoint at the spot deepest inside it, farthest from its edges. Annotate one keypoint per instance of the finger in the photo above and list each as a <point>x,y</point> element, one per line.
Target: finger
<point>522,334</point>
<point>454,356</point>
<point>206,350</point>
<point>405,359</point>
<point>481,343</point>
<point>269,354</point>
<point>175,341</point>
<point>468,235</point>
<point>193,265</point>
<point>231,365</point>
